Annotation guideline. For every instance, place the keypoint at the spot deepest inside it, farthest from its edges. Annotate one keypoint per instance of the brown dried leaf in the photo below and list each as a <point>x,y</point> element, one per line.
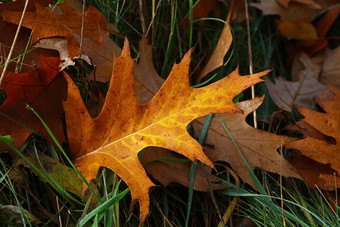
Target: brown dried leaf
<point>147,80</point>
<point>101,53</point>
<point>221,49</point>
<point>285,93</point>
<point>60,45</point>
<point>331,67</point>
<point>258,147</point>
<point>167,172</point>
<point>296,10</point>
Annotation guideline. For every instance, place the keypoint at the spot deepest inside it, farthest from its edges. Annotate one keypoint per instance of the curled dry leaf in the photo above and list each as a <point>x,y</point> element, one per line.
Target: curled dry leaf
<point>322,27</point>
<point>285,93</point>
<point>60,45</point>
<point>323,151</point>
<point>124,127</point>
<point>217,57</point>
<point>257,146</point>
<point>43,89</point>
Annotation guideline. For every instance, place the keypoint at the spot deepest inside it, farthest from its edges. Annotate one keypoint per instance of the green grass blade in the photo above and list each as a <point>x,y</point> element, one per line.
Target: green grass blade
<point>25,51</point>
<point>19,56</point>
<point>191,20</point>
<point>45,176</point>
<point>103,207</point>
<point>278,209</point>
<point>251,172</point>
<point>193,168</point>
<point>190,191</point>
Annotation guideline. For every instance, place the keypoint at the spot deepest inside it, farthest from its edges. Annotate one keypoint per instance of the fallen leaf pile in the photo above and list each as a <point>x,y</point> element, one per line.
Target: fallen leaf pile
<point>141,111</point>
<point>46,24</point>
<point>296,21</point>
<point>313,65</point>
<point>125,126</point>
<point>321,144</point>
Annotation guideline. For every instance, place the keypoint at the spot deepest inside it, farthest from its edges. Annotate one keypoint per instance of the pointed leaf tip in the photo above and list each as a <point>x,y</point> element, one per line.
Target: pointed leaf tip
<point>126,48</point>
<point>188,54</point>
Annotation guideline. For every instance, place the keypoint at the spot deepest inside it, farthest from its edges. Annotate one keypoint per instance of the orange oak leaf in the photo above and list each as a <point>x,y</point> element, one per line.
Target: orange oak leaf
<point>45,24</point>
<point>322,27</point>
<point>124,127</point>
<point>147,83</point>
<point>323,151</point>
<point>43,89</point>
<point>314,174</point>
<point>257,146</point>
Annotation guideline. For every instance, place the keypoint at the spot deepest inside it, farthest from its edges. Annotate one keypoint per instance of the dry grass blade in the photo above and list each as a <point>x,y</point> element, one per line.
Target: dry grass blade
<point>14,41</point>
<point>233,203</point>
